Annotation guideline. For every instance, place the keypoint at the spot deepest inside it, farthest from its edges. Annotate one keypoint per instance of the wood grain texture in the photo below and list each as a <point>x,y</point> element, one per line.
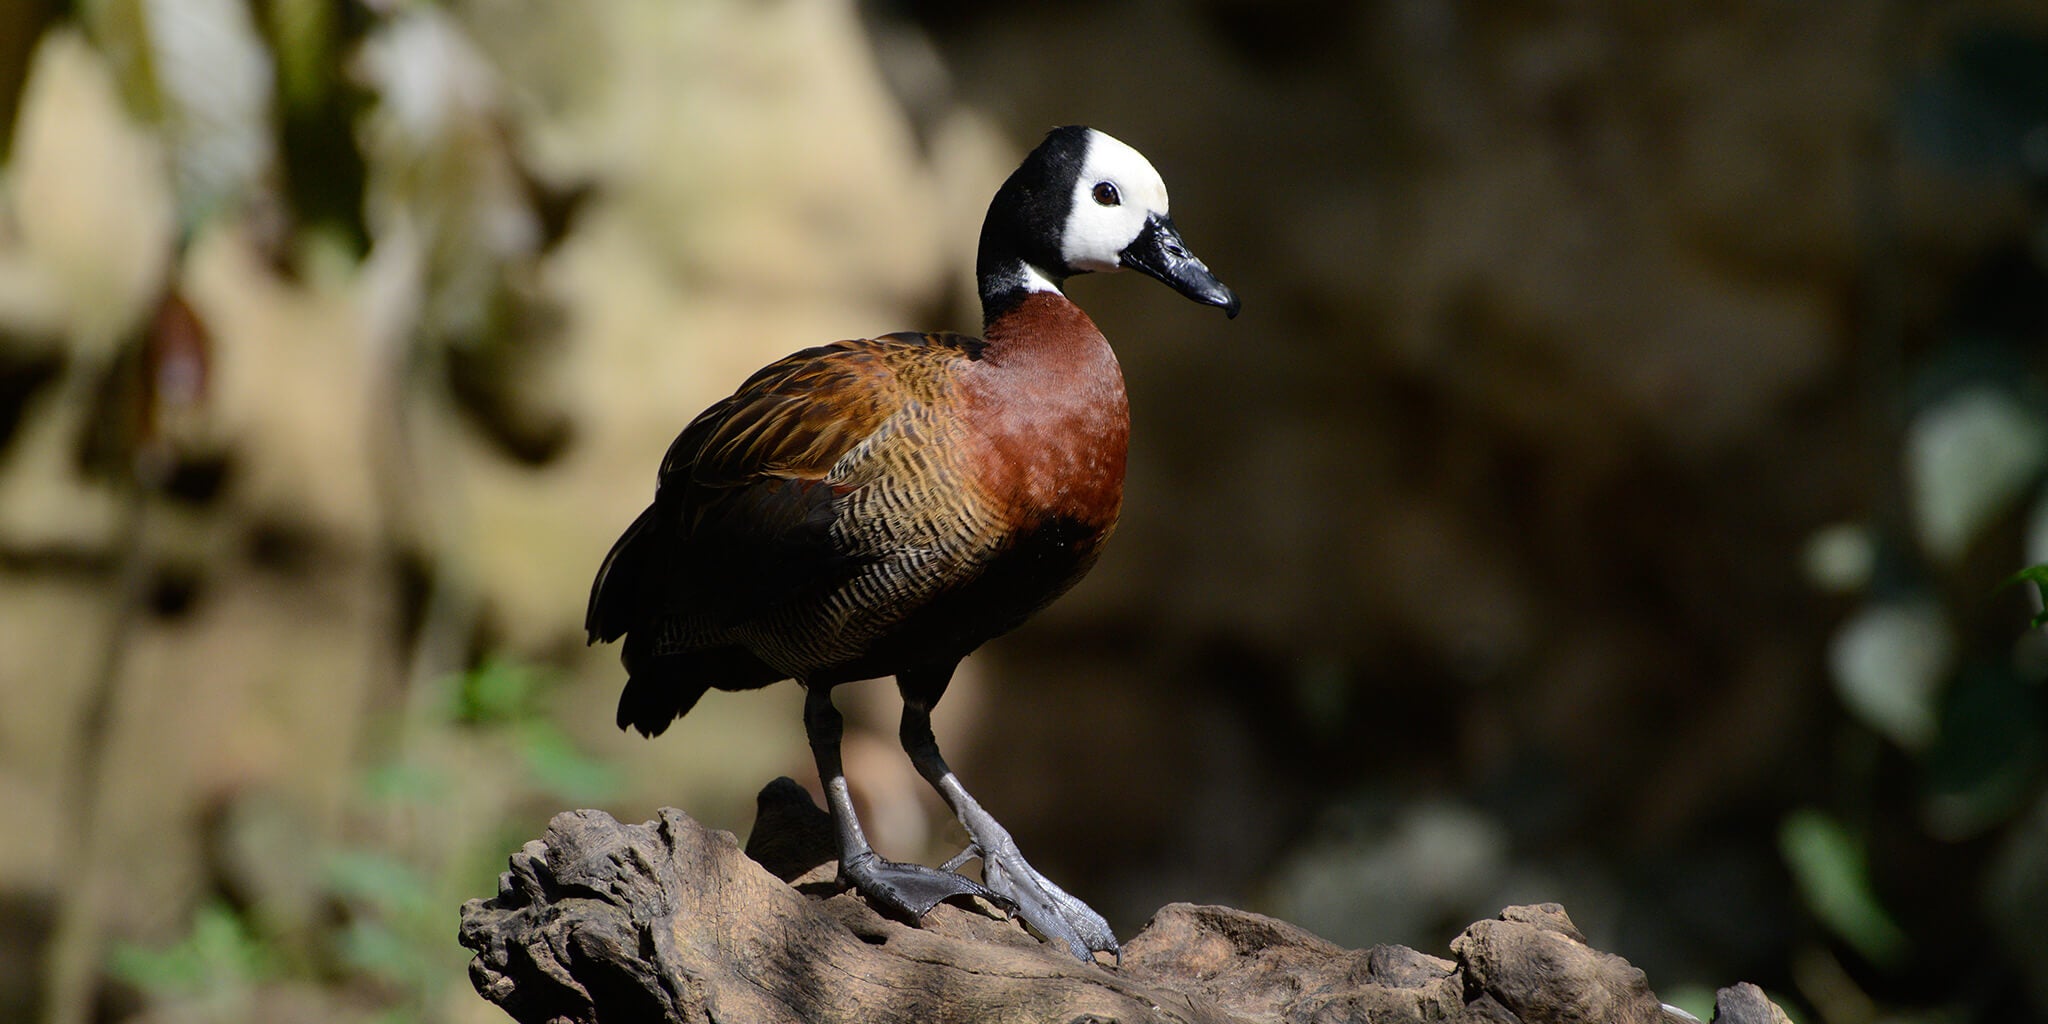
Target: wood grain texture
<point>668,921</point>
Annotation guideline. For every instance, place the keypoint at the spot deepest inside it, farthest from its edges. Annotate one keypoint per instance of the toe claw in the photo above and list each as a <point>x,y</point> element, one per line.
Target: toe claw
<point>1049,910</point>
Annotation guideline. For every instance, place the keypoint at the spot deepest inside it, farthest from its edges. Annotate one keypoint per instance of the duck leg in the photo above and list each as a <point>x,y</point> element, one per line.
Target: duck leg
<point>1046,907</point>
<point>904,891</point>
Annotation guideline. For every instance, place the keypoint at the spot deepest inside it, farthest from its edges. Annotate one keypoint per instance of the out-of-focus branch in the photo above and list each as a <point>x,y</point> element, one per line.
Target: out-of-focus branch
<point>158,399</point>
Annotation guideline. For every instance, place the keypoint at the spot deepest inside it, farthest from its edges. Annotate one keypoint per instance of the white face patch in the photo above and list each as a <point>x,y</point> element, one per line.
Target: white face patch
<point>1096,232</point>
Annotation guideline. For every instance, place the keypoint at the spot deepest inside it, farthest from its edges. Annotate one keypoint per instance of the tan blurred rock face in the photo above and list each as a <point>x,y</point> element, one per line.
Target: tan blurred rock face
<point>82,258</point>
<point>88,194</point>
<point>756,190</point>
<point>762,193</point>
<point>90,212</point>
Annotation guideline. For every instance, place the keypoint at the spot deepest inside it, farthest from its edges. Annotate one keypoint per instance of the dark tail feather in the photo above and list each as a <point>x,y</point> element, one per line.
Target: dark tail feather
<point>662,688</point>
<point>650,704</point>
<point>617,596</point>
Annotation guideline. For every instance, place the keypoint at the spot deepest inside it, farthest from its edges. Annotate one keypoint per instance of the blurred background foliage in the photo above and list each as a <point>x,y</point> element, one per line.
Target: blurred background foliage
<point>1605,497</point>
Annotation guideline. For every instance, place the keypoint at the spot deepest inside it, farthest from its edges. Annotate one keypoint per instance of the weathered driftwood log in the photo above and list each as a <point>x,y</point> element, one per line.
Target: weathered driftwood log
<point>670,921</point>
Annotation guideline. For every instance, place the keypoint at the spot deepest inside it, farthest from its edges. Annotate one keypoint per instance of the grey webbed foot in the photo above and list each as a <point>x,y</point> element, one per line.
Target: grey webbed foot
<point>1045,907</point>
<point>907,892</point>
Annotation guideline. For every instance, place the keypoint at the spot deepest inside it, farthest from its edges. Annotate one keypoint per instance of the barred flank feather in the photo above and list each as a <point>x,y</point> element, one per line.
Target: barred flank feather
<point>802,525</point>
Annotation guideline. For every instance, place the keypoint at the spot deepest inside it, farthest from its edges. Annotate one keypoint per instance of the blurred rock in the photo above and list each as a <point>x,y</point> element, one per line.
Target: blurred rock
<point>90,196</point>
<point>92,220</point>
<point>748,187</point>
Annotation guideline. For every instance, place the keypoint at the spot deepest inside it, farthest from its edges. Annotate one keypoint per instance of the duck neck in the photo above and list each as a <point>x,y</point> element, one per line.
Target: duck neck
<point>1047,348</point>
<point>1006,281</point>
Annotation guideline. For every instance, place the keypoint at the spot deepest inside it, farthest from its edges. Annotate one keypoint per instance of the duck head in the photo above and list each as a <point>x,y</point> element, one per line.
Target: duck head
<point>1081,202</point>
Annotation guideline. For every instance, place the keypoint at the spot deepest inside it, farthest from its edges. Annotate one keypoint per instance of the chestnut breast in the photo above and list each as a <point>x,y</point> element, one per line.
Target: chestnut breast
<point>1049,424</point>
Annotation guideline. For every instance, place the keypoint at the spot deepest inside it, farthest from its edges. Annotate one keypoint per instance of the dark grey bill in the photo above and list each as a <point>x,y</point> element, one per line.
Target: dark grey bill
<point>1159,252</point>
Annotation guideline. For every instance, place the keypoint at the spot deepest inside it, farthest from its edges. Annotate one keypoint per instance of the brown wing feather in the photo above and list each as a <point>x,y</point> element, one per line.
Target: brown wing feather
<point>742,516</point>
<point>793,419</point>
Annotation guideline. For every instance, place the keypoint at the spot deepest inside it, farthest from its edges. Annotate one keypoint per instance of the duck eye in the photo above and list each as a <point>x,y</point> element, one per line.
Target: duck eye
<point>1105,194</point>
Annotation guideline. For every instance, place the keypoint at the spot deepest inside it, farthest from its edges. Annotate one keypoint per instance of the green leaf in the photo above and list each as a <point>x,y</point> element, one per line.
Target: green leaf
<point>560,768</point>
<point>378,880</point>
<point>220,950</point>
<point>2038,576</point>
<point>499,690</point>
<point>159,971</point>
<point>376,950</point>
<point>401,782</point>
<point>1828,865</point>
<point>1986,764</point>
